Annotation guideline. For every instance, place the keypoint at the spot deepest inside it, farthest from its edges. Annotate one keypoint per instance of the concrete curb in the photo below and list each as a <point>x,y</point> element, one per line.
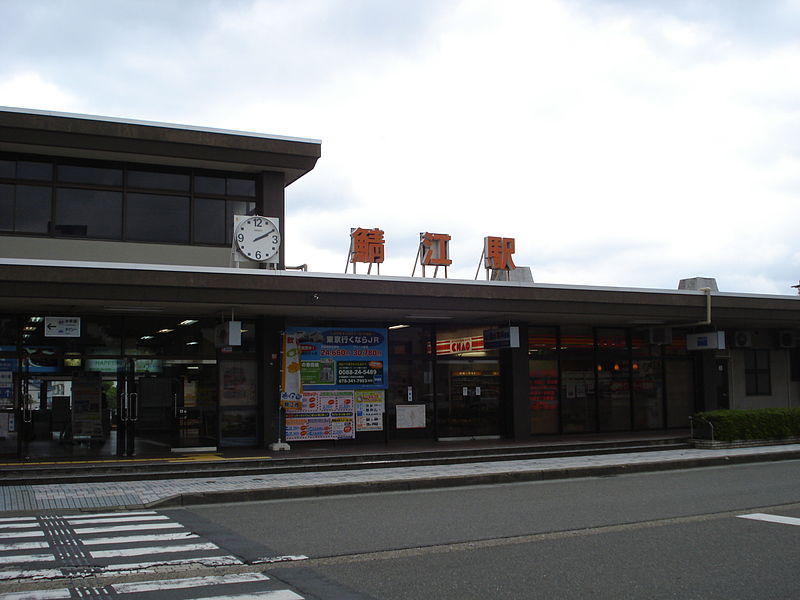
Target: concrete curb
<point>423,483</point>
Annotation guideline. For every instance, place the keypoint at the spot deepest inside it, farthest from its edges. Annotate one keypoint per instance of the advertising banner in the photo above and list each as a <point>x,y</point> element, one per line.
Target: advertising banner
<point>328,375</point>
<point>370,406</point>
<point>341,358</point>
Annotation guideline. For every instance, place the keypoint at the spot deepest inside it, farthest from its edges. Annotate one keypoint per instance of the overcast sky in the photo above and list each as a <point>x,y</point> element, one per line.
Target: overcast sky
<point>620,142</point>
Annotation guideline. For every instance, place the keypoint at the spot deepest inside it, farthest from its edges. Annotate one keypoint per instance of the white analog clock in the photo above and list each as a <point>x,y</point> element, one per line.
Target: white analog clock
<point>258,239</point>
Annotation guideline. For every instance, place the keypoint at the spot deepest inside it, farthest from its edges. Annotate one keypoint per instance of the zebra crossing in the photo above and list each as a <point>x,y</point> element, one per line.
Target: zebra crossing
<point>52,547</point>
<point>245,586</point>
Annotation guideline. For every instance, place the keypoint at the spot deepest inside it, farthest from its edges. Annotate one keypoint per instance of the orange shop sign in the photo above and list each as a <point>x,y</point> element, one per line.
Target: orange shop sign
<point>458,345</point>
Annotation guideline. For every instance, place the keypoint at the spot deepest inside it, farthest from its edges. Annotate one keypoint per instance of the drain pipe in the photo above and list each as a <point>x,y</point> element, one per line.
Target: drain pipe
<point>707,292</point>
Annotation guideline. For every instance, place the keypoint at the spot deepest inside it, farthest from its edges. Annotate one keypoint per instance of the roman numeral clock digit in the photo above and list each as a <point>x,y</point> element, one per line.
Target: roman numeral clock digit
<point>258,239</point>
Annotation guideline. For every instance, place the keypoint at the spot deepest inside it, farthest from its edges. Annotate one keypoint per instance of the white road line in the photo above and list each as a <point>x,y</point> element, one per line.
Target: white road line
<point>24,546</point>
<point>274,595</point>
<point>111,514</point>
<point>31,574</point>
<point>215,561</point>
<point>37,595</point>
<point>117,520</point>
<point>18,526</point>
<point>153,550</point>
<point>131,539</point>
<point>174,584</point>
<point>16,519</point>
<point>771,518</point>
<point>26,558</point>
<point>129,528</point>
<point>21,534</point>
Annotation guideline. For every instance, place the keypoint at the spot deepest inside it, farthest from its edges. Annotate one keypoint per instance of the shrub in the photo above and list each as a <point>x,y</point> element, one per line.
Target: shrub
<point>757,424</point>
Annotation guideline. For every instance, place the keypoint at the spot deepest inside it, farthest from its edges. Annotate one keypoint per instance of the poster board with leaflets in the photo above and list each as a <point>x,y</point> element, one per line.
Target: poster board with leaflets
<point>334,378</point>
<point>87,407</point>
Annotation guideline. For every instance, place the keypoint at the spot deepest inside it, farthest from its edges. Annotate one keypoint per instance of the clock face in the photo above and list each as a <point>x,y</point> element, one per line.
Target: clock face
<point>258,238</point>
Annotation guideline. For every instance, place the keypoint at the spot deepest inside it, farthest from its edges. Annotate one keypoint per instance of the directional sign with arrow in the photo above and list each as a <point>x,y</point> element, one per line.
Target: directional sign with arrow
<point>62,327</point>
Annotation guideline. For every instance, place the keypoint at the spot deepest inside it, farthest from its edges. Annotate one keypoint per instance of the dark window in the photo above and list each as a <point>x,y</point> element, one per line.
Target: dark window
<point>8,168</point>
<point>757,373</point>
<point>156,218</point>
<point>236,207</point>
<point>34,170</point>
<point>91,175</point>
<point>154,180</point>
<point>32,209</point>
<point>204,184</point>
<point>208,221</point>
<point>88,213</point>
<point>241,187</point>
<point>6,207</point>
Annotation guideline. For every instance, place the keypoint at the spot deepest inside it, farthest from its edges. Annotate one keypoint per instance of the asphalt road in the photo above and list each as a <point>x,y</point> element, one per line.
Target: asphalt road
<point>674,534</point>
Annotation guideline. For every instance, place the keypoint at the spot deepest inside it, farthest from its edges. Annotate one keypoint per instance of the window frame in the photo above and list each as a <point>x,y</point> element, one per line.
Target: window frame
<point>756,373</point>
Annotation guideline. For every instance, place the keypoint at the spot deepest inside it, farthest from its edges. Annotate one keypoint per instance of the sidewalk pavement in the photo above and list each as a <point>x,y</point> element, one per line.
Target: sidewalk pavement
<point>76,497</point>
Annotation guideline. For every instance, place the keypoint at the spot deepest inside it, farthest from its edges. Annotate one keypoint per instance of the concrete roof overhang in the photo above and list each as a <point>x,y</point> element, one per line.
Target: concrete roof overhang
<point>60,288</point>
<point>105,138</point>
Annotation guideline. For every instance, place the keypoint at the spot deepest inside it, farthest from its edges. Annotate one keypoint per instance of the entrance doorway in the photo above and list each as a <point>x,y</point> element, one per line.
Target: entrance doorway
<point>162,406</point>
<point>117,407</point>
<point>470,398</point>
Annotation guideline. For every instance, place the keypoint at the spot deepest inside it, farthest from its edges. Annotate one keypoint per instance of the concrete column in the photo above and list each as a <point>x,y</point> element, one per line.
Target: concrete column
<point>268,332</point>
<point>516,413</point>
<point>271,202</point>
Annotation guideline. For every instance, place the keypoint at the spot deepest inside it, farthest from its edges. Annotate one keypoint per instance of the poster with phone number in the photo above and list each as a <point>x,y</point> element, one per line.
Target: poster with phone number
<point>341,358</point>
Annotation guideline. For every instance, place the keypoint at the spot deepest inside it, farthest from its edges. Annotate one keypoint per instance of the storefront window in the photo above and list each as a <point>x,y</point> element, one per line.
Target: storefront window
<point>613,380</point>
<point>238,403</point>
<point>543,372</point>
<point>647,372</point>
<point>578,384</point>
<point>169,336</point>
<point>468,384</point>
<point>410,382</point>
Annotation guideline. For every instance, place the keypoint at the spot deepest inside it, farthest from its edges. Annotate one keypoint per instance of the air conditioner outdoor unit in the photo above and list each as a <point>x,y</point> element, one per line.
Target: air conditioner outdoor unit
<point>787,339</point>
<point>661,335</point>
<point>743,339</point>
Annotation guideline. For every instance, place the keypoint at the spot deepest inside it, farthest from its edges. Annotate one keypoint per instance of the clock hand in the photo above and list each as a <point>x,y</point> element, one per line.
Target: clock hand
<point>261,237</point>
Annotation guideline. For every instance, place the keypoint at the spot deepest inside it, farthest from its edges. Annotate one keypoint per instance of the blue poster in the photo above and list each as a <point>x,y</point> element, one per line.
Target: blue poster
<point>342,358</point>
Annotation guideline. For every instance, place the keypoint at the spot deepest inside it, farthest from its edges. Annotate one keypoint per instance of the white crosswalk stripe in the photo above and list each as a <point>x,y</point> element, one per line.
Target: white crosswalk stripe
<point>237,586</point>
<point>53,546</point>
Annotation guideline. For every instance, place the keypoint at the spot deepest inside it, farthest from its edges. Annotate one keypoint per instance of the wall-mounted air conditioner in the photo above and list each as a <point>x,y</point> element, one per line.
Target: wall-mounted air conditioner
<point>787,339</point>
<point>661,335</point>
<point>743,339</point>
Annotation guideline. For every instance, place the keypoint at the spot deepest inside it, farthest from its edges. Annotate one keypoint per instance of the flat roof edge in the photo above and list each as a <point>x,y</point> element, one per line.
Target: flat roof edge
<point>121,121</point>
<point>25,262</point>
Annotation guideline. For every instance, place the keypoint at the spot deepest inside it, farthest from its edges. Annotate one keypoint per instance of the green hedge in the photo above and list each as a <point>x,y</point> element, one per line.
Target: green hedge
<point>758,424</point>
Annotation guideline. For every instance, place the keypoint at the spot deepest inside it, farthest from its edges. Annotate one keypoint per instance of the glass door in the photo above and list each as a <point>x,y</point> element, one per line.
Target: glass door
<point>470,398</point>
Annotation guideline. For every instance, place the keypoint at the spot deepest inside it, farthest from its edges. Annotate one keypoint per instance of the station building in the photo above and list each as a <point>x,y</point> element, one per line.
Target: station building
<point>131,323</point>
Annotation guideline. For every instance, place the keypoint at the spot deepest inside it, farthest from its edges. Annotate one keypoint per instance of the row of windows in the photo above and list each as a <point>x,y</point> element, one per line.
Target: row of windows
<point>115,204</point>
<point>128,177</point>
<point>99,214</point>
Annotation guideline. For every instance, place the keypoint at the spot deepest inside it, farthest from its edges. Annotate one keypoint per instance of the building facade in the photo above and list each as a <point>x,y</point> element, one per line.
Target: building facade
<point>129,324</point>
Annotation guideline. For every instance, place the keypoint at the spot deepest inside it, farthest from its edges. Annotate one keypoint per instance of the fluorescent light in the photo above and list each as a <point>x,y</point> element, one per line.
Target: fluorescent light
<point>192,343</point>
<point>36,319</point>
<point>134,309</point>
<point>399,326</point>
<point>188,322</point>
<point>146,337</point>
<point>166,330</point>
